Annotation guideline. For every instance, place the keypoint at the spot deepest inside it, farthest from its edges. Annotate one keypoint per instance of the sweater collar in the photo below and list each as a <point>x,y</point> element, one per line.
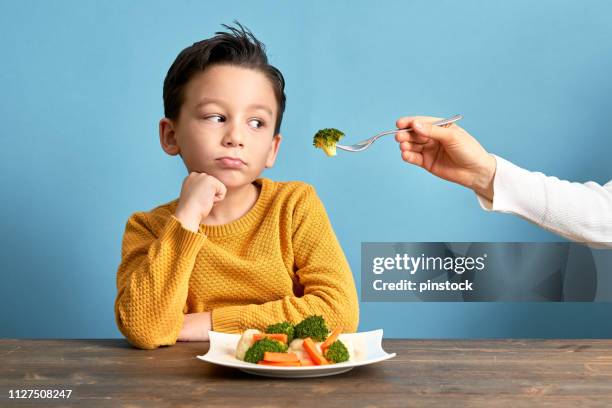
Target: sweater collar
<point>247,221</point>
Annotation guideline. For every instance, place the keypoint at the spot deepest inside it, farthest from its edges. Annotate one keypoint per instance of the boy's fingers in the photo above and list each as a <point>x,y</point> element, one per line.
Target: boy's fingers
<point>221,190</point>
<point>221,193</point>
<point>219,196</point>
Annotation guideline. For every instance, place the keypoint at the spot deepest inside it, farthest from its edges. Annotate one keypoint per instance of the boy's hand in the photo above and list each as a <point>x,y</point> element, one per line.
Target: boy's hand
<point>198,194</point>
<point>195,327</point>
<point>450,153</point>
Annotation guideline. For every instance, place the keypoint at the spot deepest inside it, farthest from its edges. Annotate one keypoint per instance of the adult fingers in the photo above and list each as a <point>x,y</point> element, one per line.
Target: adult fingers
<point>412,147</point>
<point>413,158</point>
<point>406,121</point>
<point>410,137</point>
<point>442,134</point>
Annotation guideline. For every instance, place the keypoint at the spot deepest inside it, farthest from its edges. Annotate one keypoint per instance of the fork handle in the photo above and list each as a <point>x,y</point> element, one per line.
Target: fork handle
<point>442,122</point>
<point>436,123</point>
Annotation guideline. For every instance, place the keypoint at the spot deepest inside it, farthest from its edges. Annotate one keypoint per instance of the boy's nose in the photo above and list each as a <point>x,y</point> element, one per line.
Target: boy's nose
<point>233,138</point>
<point>230,143</point>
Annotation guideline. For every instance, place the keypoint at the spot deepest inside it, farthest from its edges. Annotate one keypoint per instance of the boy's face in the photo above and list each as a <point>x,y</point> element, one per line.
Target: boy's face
<point>226,125</point>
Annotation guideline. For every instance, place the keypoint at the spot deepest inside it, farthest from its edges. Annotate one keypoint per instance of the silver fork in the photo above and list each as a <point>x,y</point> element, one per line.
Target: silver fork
<point>364,144</point>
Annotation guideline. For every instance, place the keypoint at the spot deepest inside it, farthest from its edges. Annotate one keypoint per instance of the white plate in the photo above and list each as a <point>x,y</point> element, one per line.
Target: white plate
<point>367,346</point>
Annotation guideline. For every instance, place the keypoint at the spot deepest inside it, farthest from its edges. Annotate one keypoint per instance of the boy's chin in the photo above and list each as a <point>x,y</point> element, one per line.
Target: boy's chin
<point>233,179</point>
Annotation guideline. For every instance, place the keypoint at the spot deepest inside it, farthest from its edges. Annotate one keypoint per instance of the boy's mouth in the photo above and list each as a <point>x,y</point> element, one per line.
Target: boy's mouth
<point>231,162</point>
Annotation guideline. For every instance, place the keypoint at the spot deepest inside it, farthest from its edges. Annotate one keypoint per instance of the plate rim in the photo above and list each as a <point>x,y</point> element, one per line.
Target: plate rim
<point>255,367</point>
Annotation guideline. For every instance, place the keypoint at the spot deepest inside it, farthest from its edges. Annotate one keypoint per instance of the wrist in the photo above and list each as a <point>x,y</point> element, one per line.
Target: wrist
<point>189,219</point>
<point>195,327</point>
<point>484,178</point>
<point>206,324</point>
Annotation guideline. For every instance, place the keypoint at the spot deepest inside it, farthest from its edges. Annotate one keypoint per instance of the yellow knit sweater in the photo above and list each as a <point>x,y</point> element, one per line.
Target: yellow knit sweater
<point>280,261</point>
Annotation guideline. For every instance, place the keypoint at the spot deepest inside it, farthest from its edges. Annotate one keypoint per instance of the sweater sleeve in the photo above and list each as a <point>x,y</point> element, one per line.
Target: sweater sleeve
<point>322,269</point>
<point>153,281</point>
<point>577,211</point>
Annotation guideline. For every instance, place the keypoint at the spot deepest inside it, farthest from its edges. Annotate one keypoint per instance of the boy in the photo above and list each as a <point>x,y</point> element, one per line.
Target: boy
<point>234,251</point>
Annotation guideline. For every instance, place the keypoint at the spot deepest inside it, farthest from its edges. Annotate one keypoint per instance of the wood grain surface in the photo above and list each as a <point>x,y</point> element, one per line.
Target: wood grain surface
<point>425,373</point>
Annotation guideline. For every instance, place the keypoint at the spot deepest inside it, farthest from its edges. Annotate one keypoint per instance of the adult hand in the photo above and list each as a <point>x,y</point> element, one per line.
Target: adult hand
<point>450,153</point>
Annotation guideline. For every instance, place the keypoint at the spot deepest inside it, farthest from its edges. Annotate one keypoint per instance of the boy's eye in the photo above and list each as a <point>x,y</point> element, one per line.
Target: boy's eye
<point>256,123</point>
<point>215,118</point>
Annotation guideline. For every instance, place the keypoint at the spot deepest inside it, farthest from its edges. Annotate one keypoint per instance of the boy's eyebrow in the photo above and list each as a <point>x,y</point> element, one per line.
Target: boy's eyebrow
<point>206,101</point>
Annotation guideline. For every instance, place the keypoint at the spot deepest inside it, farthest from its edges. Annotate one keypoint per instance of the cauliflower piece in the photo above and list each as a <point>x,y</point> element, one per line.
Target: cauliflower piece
<point>245,343</point>
<point>297,347</point>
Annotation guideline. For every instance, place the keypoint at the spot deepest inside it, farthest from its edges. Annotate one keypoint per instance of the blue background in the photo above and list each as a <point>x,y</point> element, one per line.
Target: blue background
<point>81,85</point>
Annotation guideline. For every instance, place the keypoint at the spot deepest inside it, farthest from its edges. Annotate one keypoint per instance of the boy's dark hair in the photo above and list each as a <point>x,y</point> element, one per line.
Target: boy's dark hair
<point>237,47</point>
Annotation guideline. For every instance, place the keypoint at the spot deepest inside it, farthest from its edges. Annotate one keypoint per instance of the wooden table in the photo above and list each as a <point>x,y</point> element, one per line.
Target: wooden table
<point>436,373</point>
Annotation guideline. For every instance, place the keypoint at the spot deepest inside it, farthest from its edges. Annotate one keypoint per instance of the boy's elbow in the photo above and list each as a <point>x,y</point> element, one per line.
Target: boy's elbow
<point>348,320</point>
<point>141,336</point>
<point>347,314</point>
<point>352,315</point>
<point>144,341</point>
<point>350,323</point>
<point>351,320</point>
<point>138,339</point>
<point>143,344</point>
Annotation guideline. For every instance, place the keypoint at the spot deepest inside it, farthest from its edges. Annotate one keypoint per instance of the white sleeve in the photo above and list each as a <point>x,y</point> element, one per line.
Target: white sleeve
<point>578,211</point>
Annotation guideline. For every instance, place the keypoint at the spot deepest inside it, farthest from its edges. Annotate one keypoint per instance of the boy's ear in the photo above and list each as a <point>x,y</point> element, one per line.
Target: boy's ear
<point>276,141</point>
<point>167,137</point>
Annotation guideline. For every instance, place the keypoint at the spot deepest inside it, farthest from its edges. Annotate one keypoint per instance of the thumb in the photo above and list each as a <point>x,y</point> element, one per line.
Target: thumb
<point>439,133</point>
<point>220,194</point>
<point>220,191</point>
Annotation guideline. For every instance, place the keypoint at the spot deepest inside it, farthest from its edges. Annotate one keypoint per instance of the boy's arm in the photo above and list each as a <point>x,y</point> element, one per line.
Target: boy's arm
<point>153,280</point>
<point>322,269</point>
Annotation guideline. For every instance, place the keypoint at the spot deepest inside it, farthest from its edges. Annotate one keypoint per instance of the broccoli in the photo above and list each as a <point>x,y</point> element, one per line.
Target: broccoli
<point>281,328</point>
<point>326,139</point>
<point>337,352</point>
<point>256,352</point>
<point>313,327</point>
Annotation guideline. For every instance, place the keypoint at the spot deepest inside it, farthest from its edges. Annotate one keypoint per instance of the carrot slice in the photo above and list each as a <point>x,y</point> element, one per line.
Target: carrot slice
<point>332,337</point>
<point>280,357</point>
<point>280,363</point>
<point>313,353</point>
<point>274,336</point>
<point>306,362</point>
